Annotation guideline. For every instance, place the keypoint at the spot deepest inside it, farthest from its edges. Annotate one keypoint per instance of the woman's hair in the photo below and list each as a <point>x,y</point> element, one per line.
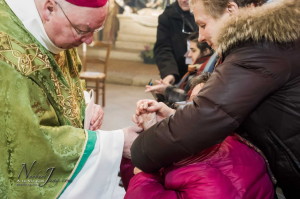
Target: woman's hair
<point>205,49</point>
<point>203,46</point>
<point>216,8</point>
<point>193,37</point>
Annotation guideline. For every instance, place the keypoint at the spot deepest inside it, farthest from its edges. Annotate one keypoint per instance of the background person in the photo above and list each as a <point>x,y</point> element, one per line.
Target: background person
<point>199,54</point>
<point>174,26</point>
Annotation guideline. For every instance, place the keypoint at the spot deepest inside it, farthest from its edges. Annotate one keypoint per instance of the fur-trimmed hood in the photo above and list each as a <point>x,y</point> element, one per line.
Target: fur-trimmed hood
<point>275,22</point>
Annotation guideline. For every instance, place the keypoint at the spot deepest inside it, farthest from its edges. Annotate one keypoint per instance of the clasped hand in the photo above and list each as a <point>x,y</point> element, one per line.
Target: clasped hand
<point>145,107</point>
<point>148,113</point>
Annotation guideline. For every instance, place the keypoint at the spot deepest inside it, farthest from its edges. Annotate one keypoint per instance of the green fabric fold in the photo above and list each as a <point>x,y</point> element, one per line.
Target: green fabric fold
<point>90,145</point>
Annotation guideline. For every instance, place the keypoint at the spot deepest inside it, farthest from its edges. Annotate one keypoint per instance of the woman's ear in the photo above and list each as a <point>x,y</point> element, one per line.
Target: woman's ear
<point>232,7</point>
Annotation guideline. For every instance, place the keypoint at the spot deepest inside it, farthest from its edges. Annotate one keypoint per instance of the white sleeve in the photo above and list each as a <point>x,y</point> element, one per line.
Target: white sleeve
<point>99,175</point>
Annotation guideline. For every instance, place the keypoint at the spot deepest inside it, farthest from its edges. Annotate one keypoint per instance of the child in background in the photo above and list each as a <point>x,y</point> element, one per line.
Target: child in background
<point>169,94</point>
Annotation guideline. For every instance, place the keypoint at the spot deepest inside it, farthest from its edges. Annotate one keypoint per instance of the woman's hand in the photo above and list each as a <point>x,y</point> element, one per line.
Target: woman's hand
<point>147,120</point>
<point>149,106</point>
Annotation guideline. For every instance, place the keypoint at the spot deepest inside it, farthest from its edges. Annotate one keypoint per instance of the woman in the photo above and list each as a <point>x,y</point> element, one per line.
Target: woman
<point>255,89</point>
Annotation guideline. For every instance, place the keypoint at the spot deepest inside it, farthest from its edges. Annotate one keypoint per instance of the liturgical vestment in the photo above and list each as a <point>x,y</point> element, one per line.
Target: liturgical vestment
<point>44,150</point>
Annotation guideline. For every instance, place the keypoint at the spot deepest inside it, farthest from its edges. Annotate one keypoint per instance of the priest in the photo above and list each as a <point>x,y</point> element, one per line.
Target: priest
<point>45,151</point>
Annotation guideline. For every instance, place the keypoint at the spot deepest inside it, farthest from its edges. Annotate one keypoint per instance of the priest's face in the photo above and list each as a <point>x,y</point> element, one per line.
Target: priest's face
<point>69,26</point>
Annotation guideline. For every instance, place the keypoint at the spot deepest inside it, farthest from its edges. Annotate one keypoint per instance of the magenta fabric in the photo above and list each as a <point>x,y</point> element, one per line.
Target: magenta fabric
<point>233,171</point>
<point>126,171</point>
<point>88,3</point>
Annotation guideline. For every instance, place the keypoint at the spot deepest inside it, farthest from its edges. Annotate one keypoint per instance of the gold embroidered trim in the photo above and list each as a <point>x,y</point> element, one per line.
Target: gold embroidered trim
<point>24,58</point>
<point>71,104</point>
<point>27,58</point>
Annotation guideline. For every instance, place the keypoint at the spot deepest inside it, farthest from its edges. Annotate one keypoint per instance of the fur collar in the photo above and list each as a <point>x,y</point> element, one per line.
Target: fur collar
<point>277,22</point>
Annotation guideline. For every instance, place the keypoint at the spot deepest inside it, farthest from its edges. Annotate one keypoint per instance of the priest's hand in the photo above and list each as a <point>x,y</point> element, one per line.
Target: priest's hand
<point>130,134</point>
<point>97,118</point>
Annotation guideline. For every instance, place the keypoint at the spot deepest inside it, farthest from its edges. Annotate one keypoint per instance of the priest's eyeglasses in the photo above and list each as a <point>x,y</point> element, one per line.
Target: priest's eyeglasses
<point>79,31</point>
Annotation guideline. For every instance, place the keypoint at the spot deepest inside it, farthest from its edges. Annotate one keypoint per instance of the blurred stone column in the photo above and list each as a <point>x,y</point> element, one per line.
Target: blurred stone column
<point>111,26</point>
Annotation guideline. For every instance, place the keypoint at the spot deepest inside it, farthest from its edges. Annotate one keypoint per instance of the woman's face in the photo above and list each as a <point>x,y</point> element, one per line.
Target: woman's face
<point>206,23</point>
<point>194,51</point>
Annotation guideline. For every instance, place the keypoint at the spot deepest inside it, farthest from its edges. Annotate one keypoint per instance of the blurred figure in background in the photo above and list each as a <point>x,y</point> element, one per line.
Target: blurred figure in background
<point>199,53</point>
<point>175,24</point>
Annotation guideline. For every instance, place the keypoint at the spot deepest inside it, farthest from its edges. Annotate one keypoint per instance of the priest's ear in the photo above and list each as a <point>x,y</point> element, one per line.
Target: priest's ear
<point>47,9</point>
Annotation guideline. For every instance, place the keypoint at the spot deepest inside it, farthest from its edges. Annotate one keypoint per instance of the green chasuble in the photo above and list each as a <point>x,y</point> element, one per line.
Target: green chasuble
<point>43,144</point>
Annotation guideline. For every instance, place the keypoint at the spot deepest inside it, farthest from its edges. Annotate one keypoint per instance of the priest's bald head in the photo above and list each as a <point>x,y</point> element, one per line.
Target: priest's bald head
<point>69,23</point>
